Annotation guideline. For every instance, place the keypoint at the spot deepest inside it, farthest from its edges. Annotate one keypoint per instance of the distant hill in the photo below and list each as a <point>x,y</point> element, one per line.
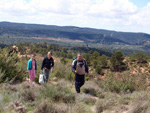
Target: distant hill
<point>87,35</point>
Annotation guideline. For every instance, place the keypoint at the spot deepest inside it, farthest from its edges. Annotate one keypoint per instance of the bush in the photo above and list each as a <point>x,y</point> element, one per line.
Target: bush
<point>91,91</point>
<point>87,57</point>
<point>124,82</point>
<point>141,58</point>
<point>103,61</point>
<point>10,68</point>
<point>95,62</point>
<point>87,99</point>
<point>117,61</point>
<point>99,70</point>
<point>46,107</point>
<point>58,94</point>
<point>28,95</point>
<point>63,60</point>
<point>103,104</point>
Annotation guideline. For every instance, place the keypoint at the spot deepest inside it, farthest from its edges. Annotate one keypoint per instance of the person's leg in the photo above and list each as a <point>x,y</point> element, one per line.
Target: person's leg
<point>77,87</point>
<point>33,74</point>
<point>82,80</point>
<point>46,74</point>
<point>77,83</point>
<point>30,76</point>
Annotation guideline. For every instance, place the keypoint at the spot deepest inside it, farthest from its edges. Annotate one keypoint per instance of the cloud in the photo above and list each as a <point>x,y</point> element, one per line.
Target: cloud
<point>113,8</point>
<point>142,17</point>
<point>104,14</point>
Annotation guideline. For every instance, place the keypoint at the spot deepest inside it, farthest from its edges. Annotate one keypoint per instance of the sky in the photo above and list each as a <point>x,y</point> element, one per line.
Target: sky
<point>118,15</point>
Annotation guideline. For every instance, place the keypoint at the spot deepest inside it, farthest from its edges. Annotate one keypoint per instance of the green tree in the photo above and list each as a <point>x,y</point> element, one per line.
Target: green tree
<point>141,58</point>
<point>63,60</point>
<point>95,55</point>
<point>99,70</point>
<point>103,60</point>
<point>87,57</point>
<point>95,62</point>
<point>117,61</point>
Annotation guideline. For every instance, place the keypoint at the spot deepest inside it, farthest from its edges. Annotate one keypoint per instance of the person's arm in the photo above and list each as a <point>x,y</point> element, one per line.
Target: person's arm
<point>28,65</point>
<point>35,65</point>
<point>52,62</point>
<point>86,67</point>
<point>73,67</point>
<point>43,63</point>
<point>10,52</point>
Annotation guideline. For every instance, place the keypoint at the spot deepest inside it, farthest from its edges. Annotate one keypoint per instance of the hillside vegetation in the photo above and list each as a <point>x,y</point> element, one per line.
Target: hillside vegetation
<point>15,33</point>
<point>115,83</point>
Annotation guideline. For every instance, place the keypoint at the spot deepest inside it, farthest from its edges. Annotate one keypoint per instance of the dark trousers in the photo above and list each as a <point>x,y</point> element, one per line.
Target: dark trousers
<point>46,74</point>
<point>79,82</point>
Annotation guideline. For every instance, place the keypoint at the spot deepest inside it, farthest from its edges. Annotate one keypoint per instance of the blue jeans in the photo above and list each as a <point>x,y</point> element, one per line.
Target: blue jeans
<point>46,74</point>
<point>79,82</point>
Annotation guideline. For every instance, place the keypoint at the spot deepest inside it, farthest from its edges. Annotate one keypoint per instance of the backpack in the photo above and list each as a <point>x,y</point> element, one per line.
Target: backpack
<point>83,60</point>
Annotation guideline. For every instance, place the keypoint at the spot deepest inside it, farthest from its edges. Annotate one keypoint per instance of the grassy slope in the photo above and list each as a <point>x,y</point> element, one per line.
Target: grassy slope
<point>57,96</point>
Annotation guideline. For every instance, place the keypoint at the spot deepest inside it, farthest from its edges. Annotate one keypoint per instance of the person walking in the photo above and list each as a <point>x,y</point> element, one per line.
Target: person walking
<point>47,65</point>
<point>32,68</point>
<point>13,51</point>
<point>79,67</point>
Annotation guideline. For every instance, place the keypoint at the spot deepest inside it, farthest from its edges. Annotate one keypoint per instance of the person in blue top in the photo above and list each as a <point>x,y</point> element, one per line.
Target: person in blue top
<point>32,68</point>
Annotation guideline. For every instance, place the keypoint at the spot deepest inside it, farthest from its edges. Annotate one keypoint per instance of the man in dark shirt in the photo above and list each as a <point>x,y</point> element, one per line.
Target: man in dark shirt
<point>47,65</point>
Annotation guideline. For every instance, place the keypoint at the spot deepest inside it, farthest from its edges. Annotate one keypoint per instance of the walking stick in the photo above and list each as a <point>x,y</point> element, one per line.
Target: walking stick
<point>74,78</point>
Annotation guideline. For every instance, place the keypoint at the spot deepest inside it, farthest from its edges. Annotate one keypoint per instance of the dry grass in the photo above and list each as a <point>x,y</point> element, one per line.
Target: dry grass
<point>87,99</point>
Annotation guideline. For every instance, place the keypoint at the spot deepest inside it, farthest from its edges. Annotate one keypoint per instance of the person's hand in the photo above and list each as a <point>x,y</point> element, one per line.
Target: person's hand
<point>35,71</point>
<point>87,74</point>
<point>41,71</point>
<point>75,72</point>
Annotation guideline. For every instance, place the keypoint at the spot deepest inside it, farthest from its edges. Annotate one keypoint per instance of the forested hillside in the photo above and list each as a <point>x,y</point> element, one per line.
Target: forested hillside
<point>87,35</point>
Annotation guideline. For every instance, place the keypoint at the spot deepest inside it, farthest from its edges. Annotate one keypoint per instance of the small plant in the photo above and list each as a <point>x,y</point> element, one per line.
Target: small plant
<point>87,99</point>
<point>10,68</point>
<point>90,91</point>
<point>58,94</point>
<point>63,60</point>
<point>28,95</point>
<point>99,70</point>
<point>46,107</point>
<point>124,82</point>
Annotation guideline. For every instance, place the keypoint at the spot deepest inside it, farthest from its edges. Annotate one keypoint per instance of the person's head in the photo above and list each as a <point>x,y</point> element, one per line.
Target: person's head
<point>79,56</point>
<point>15,48</point>
<point>49,55</point>
<point>33,56</point>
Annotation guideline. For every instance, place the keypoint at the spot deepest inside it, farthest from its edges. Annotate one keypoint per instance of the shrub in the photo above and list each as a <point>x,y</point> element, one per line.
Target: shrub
<point>78,108</point>
<point>103,61</point>
<point>103,104</point>
<point>141,58</point>
<point>117,61</point>
<point>87,57</point>
<point>91,91</point>
<point>46,107</point>
<point>10,68</point>
<point>87,99</point>
<point>123,83</point>
<point>95,62</point>
<point>28,95</point>
<point>95,55</point>
<point>99,70</point>
<point>63,60</point>
<point>58,94</point>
